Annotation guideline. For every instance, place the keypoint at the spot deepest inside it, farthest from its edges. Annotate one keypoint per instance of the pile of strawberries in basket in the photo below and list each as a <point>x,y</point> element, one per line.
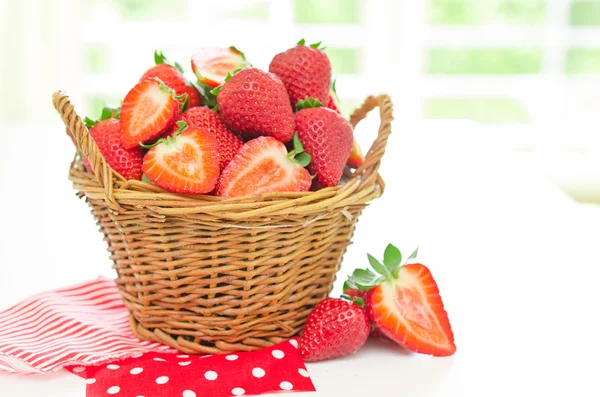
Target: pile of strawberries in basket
<point>237,131</point>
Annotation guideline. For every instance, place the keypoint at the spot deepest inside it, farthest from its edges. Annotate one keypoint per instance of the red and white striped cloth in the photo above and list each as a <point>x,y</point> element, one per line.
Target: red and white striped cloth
<point>85,324</point>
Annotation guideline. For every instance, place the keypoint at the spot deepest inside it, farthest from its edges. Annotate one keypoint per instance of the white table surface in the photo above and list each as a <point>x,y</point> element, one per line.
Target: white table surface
<point>516,261</point>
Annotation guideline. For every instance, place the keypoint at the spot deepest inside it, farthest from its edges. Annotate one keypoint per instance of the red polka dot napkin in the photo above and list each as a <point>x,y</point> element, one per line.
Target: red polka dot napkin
<point>275,369</point>
<point>85,328</point>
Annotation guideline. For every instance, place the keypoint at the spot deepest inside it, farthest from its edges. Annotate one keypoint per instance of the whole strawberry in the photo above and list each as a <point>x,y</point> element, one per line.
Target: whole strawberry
<point>172,75</point>
<point>327,137</point>
<point>209,120</point>
<point>305,71</point>
<point>254,102</point>
<point>127,162</point>
<point>334,328</point>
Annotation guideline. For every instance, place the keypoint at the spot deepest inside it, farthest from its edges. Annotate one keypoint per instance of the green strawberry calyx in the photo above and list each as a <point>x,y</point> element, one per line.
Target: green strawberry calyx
<point>182,100</point>
<point>317,46</point>
<point>308,103</point>
<point>160,58</point>
<point>236,50</point>
<point>357,300</point>
<point>365,279</point>
<point>298,155</point>
<point>108,112</point>
<point>182,126</point>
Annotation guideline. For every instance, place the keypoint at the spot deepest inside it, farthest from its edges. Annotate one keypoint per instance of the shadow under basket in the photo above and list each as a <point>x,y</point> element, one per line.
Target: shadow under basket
<point>205,274</point>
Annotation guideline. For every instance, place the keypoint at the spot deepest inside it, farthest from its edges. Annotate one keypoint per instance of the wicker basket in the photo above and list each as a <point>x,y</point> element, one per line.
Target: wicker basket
<point>204,274</point>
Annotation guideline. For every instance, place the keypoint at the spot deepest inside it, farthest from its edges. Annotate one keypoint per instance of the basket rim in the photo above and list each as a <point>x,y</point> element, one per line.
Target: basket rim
<point>106,184</point>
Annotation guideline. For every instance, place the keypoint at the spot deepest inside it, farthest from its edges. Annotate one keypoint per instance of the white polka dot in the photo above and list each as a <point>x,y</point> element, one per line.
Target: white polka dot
<point>258,372</point>
<point>286,386</point>
<point>231,357</point>
<point>139,396</point>
<point>136,371</point>
<point>113,390</point>
<point>90,381</point>
<point>161,380</point>
<point>183,356</point>
<point>78,369</point>
<point>278,354</point>
<point>112,366</point>
<point>137,355</point>
<point>238,391</point>
<point>184,363</point>
<point>188,393</point>
<point>159,359</point>
<point>211,375</point>
<point>294,343</point>
<point>303,372</point>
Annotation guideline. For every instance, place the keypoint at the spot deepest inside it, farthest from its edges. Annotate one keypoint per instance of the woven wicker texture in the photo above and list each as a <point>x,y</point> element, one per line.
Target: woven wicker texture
<point>204,274</point>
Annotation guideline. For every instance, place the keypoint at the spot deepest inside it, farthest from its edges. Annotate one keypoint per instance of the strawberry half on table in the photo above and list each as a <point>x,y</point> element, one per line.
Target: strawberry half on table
<point>264,165</point>
<point>171,73</point>
<point>211,65</point>
<point>187,162</point>
<point>404,303</point>
<point>148,110</point>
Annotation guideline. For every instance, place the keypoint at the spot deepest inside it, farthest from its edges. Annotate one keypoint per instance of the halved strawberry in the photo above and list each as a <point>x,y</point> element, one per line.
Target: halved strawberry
<point>211,65</point>
<point>187,162</point>
<point>264,165</point>
<point>147,111</point>
<point>356,156</point>
<point>404,303</point>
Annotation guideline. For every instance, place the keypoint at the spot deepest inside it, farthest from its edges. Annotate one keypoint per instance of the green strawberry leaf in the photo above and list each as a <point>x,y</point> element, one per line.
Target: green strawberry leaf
<point>233,48</point>
<point>377,266</point>
<point>146,179</point>
<point>186,101</point>
<point>334,89</point>
<point>89,123</point>
<point>208,99</point>
<point>215,91</point>
<point>303,159</point>
<point>182,126</point>
<point>301,42</point>
<point>392,257</point>
<point>160,58</point>
<point>358,301</point>
<point>308,103</point>
<point>318,46</point>
<point>365,279</point>
<point>349,284</point>
<point>298,148</point>
<point>413,255</point>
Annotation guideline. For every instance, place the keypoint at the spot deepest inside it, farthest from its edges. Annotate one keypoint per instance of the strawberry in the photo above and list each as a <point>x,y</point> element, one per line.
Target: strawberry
<point>404,303</point>
<point>327,137</point>
<point>172,75</point>
<point>127,162</point>
<point>187,162</point>
<point>334,328</point>
<point>211,65</point>
<point>264,165</point>
<point>254,102</point>
<point>147,111</point>
<point>305,71</point>
<point>207,119</point>
<point>332,103</point>
<point>356,156</point>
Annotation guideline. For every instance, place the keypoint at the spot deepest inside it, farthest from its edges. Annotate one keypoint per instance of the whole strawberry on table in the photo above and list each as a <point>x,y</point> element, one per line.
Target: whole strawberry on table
<point>237,131</point>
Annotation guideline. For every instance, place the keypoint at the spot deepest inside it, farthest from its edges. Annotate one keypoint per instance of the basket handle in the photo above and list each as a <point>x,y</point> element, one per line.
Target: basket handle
<point>82,140</point>
<point>368,170</point>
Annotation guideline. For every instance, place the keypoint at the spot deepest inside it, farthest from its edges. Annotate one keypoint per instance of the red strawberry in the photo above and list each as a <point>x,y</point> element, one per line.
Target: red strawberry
<point>404,303</point>
<point>207,119</point>
<point>354,293</point>
<point>211,65</point>
<point>356,156</point>
<point>187,162</point>
<point>305,71</point>
<point>127,162</point>
<point>254,102</point>
<point>334,328</point>
<point>172,76</point>
<point>148,110</point>
<point>327,137</point>
<point>264,165</point>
